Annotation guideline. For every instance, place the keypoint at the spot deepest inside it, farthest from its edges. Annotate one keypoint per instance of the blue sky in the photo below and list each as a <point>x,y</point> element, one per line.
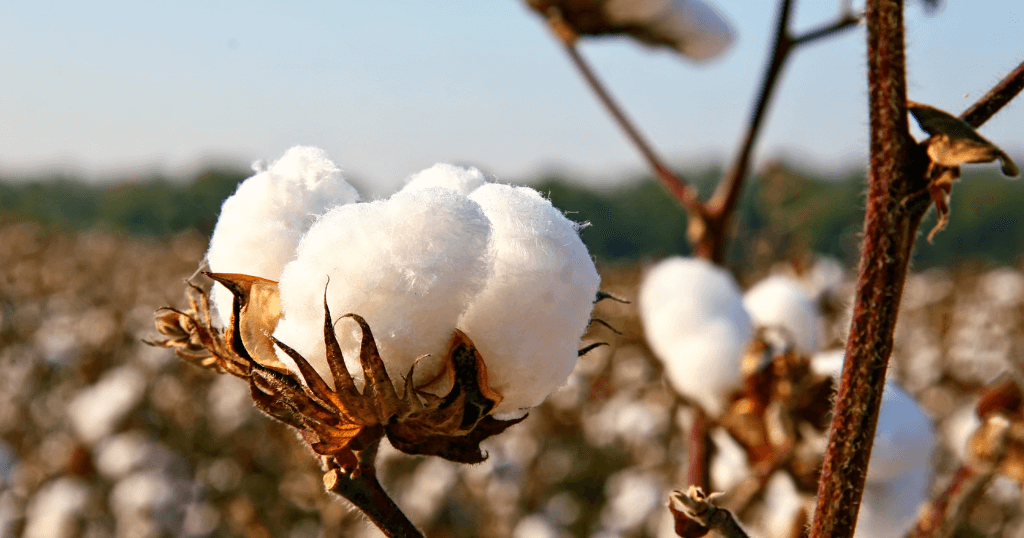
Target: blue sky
<point>114,88</point>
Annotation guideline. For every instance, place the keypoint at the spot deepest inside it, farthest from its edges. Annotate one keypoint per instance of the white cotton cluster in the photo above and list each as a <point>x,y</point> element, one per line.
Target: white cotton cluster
<point>781,302</point>
<point>448,251</point>
<point>695,322</point>
<point>693,27</point>
<point>898,471</point>
<point>261,223</point>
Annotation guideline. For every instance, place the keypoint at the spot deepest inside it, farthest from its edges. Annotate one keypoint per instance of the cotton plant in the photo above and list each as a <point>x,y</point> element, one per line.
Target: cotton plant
<point>782,303</point>
<point>434,317</point>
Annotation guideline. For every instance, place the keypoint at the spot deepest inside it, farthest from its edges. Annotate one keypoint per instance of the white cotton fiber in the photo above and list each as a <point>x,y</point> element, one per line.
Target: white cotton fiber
<point>692,27</point>
<point>782,302</point>
<point>408,265</point>
<point>695,322</point>
<point>261,223</point>
<point>528,319</point>
<point>463,180</point>
<point>904,437</point>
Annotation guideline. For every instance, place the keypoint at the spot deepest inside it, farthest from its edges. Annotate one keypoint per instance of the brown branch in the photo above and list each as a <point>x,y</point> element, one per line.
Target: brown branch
<point>363,490</point>
<point>890,227</point>
<point>950,507</point>
<point>996,98</point>
<point>699,455</point>
<point>727,194</point>
<point>682,191</point>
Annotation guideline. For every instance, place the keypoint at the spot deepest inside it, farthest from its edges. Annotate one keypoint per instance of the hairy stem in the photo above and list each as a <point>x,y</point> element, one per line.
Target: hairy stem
<point>996,98</point>
<point>363,490</point>
<point>890,226</point>
<point>727,194</point>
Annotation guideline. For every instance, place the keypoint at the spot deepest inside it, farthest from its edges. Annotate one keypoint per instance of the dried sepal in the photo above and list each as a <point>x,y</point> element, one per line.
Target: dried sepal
<point>194,338</point>
<point>953,142</point>
<point>696,515</point>
<point>998,443</point>
<point>255,311</point>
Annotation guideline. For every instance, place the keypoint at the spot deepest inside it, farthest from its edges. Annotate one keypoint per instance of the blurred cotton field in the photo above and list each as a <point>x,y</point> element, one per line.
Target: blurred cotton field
<point>101,435</point>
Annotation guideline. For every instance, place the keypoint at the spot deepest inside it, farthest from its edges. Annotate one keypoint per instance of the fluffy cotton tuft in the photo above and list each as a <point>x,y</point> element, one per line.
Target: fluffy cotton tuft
<point>695,322</point>
<point>463,180</point>
<point>692,27</point>
<point>408,265</point>
<point>448,251</point>
<point>528,319</point>
<point>782,302</point>
<point>261,223</point>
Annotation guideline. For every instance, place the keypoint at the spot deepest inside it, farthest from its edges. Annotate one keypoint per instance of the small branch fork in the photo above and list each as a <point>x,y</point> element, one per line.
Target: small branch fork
<point>894,211</point>
<point>709,223</point>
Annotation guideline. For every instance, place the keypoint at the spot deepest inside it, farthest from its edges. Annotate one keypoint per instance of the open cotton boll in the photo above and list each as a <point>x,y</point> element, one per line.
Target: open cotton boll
<point>692,27</point>
<point>261,223</point>
<point>781,302</point>
<point>464,180</point>
<point>528,319</point>
<point>695,322</point>
<point>408,265</point>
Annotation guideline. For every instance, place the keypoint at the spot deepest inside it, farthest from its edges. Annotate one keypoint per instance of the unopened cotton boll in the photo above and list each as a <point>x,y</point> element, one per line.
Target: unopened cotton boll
<point>260,224</point>
<point>408,265</point>
<point>781,302</point>
<point>696,324</point>
<point>528,319</point>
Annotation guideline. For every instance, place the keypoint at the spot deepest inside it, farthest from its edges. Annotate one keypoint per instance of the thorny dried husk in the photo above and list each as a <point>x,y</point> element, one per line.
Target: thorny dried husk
<point>953,142</point>
<point>338,422</point>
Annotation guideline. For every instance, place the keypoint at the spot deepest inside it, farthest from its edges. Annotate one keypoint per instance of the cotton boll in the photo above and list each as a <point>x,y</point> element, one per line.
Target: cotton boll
<point>261,223</point>
<point>692,27</point>
<point>464,180</point>
<point>408,265</point>
<point>528,319</point>
<point>695,322</point>
<point>780,301</point>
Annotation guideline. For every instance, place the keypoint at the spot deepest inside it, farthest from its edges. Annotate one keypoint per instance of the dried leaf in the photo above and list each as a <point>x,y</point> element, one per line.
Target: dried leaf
<point>1002,396</point>
<point>954,141</point>
<point>255,313</point>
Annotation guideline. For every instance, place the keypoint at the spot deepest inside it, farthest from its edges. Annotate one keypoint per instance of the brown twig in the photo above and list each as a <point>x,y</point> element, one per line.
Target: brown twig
<point>727,194</point>
<point>940,517</point>
<point>890,227</point>
<point>996,98</point>
<point>698,463</point>
<point>363,490</point>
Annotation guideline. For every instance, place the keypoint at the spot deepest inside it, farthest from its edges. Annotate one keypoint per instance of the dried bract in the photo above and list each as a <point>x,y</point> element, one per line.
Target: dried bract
<point>953,142</point>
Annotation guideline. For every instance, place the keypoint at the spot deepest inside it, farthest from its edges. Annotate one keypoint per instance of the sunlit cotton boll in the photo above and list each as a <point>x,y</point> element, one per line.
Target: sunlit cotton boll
<point>695,322</point>
<point>503,265</point>
<point>260,224</point>
<point>782,302</point>
<point>528,319</point>
<point>408,265</point>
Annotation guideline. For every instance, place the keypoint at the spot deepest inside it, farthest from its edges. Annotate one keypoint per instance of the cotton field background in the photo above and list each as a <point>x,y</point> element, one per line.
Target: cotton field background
<point>103,435</point>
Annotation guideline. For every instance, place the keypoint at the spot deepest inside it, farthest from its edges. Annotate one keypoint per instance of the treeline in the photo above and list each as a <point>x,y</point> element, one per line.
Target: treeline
<point>783,214</point>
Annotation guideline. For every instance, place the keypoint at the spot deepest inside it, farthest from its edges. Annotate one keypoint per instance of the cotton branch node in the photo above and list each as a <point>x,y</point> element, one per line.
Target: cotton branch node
<point>696,515</point>
<point>953,142</point>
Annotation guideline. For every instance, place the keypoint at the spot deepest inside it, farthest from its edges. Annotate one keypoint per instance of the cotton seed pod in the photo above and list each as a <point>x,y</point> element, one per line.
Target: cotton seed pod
<point>781,302</point>
<point>260,224</point>
<point>695,323</point>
